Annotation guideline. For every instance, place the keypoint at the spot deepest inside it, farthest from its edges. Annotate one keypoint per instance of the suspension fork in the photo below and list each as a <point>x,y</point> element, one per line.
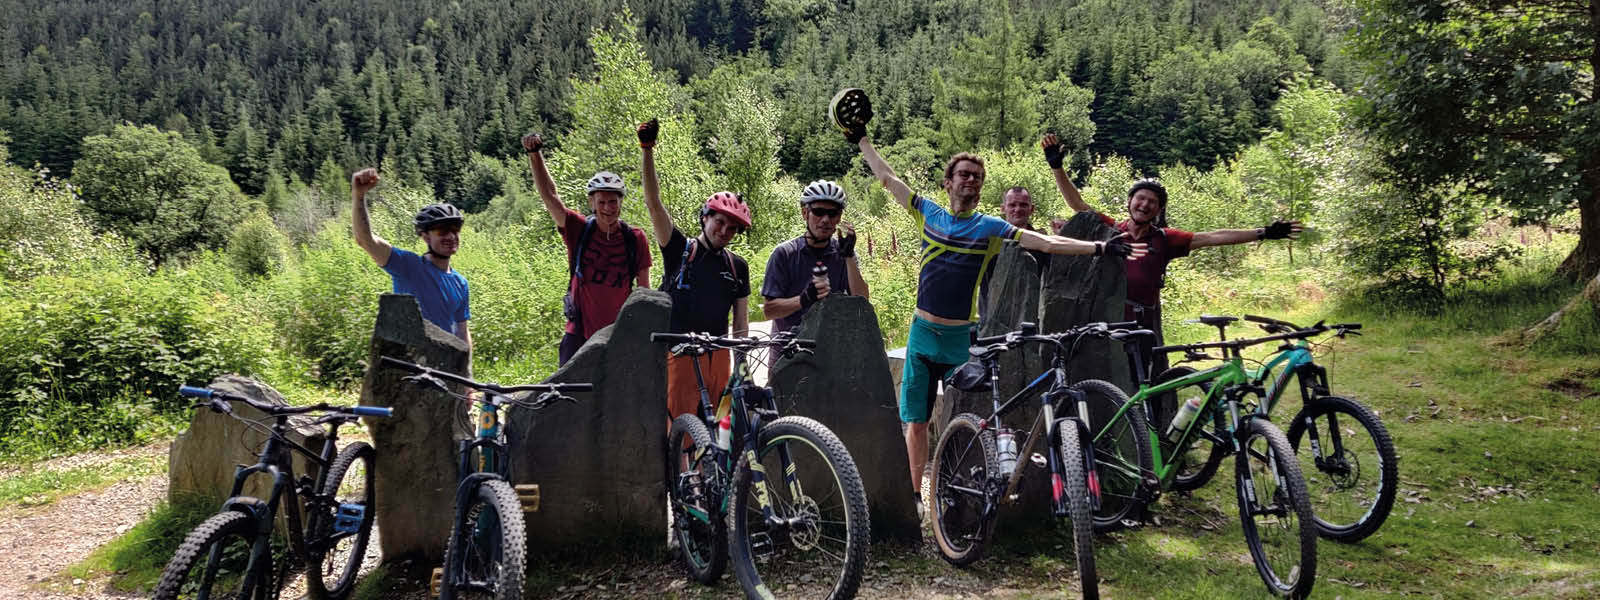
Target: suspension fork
<point>1313,381</point>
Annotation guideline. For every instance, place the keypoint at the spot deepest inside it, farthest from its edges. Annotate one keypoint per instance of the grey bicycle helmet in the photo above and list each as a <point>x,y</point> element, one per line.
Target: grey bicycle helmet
<point>436,215</point>
<point>606,181</point>
<point>824,190</point>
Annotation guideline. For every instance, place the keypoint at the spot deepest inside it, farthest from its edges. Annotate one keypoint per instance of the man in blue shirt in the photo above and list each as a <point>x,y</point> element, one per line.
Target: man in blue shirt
<point>440,291</point>
<point>958,246</point>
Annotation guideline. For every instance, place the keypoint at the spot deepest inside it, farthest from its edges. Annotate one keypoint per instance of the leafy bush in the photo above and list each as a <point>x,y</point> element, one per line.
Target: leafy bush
<point>325,307</point>
<point>257,248</point>
<point>43,228</point>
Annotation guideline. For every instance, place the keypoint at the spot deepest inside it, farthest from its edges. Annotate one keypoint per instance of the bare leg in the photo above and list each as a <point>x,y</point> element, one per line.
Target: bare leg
<point>917,452</point>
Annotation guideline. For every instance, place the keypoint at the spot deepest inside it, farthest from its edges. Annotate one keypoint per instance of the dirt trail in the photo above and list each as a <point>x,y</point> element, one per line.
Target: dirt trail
<point>36,545</point>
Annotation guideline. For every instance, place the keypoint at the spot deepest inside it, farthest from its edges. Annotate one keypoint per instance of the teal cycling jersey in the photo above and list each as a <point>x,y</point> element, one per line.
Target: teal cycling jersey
<point>956,252</point>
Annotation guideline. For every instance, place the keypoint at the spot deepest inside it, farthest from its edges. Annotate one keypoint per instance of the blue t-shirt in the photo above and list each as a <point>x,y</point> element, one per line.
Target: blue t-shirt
<point>442,294</point>
<point>956,252</point>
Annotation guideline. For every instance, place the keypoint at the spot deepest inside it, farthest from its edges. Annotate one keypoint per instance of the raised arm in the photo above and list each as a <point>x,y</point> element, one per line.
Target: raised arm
<point>1225,237</point>
<point>1055,244</point>
<point>660,219</point>
<point>360,183</point>
<point>884,174</point>
<point>1054,153</point>
<point>847,248</point>
<point>533,143</point>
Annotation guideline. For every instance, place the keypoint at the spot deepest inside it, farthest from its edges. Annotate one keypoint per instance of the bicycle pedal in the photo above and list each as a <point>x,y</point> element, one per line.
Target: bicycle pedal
<point>1039,460</point>
<point>761,544</point>
<point>528,493</point>
<point>436,581</point>
<point>348,516</point>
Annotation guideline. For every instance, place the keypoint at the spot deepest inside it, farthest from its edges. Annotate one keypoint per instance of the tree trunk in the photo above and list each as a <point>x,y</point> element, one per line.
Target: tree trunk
<point>1573,310</point>
<point>1584,262</point>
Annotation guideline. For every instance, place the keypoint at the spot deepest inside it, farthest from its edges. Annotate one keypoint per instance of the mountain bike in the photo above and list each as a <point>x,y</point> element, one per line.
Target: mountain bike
<point>1351,470</point>
<point>1137,463</point>
<point>977,466</point>
<point>487,552</point>
<point>804,534</point>
<point>232,554</point>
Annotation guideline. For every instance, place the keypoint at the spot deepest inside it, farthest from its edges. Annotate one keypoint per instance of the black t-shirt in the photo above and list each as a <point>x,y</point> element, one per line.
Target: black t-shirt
<point>711,290</point>
<point>789,274</point>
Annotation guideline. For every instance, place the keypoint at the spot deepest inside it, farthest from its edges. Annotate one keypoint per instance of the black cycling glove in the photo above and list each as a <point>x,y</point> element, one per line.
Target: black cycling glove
<point>647,133</point>
<point>1055,154</point>
<point>847,245</point>
<point>1279,229</point>
<point>1114,247</point>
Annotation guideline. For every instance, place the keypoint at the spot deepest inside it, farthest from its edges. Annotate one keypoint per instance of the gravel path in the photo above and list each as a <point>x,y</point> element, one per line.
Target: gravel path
<point>36,545</point>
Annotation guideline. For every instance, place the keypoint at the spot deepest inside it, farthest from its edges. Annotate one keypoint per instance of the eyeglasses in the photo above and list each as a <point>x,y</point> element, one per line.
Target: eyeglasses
<point>826,212</point>
<point>965,174</point>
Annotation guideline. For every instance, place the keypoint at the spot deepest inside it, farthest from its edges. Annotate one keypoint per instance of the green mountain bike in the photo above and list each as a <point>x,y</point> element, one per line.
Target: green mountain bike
<point>1136,464</point>
<point>1348,459</point>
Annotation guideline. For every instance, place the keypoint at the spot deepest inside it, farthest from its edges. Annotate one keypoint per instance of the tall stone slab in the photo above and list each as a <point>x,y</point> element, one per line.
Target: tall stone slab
<point>846,385</point>
<point>416,476</point>
<point>1013,299</point>
<point>601,463</point>
<point>1086,289</point>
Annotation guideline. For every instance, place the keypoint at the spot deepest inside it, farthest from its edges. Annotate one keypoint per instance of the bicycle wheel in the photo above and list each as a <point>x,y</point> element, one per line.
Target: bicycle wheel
<point>963,464</point>
<point>488,546</point>
<point>1074,484</point>
<point>216,560</point>
<point>331,570</point>
<point>1121,454</point>
<point>697,485</point>
<point>815,544</point>
<point>1275,511</point>
<point>1199,462</point>
<point>1351,469</point>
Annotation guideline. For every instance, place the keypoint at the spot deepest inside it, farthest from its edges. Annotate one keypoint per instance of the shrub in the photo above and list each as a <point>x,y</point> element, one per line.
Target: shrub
<point>256,248</point>
<point>44,229</point>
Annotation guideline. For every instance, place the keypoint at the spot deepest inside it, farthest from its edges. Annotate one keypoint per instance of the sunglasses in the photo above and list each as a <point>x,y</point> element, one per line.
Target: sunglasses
<point>826,212</point>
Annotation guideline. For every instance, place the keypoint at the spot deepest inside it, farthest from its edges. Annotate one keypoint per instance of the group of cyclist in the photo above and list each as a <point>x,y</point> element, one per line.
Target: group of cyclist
<point>710,285</point>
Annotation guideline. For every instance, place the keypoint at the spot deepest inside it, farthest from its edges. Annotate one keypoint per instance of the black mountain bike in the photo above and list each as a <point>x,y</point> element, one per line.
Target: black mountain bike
<point>804,534</point>
<point>977,464</point>
<point>231,554</point>
<point>487,553</point>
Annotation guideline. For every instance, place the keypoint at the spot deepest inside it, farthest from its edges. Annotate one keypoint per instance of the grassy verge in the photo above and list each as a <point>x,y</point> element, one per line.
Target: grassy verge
<point>28,489</point>
<point>134,560</point>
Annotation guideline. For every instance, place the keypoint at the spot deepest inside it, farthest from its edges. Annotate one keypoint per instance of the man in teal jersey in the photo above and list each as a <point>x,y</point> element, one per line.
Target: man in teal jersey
<point>958,246</point>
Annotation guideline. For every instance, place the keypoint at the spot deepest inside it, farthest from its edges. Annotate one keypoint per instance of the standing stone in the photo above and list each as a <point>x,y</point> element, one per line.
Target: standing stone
<point>416,475</point>
<point>1086,289</point>
<point>601,463</point>
<point>846,385</point>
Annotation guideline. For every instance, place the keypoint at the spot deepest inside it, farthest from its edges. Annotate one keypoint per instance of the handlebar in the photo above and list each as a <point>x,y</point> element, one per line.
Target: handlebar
<point>1121,331</point>
<point>219,401</point>
<point>1288,332</point>
<point>490,387</point>
<point>777,341</point>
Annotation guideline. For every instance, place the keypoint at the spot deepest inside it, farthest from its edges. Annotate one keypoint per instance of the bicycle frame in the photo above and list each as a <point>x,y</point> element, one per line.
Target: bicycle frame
<point>1228,379</point>
<point>275,464</point>
<point>1055,381</point>
<point>746,422</point>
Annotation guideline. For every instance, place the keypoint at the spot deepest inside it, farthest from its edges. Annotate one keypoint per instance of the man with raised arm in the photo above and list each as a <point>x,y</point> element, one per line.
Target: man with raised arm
<point>957,247</point>
<point>790,285</point>
<point>440,291</point>
<point>1147,222</point>
<point>605,257</point>
<point>706,280</point>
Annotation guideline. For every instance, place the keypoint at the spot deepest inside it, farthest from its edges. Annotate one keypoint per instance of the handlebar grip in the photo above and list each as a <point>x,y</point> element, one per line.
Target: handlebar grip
<point>402,364</point>
<point>1350,326</point>
<point>194,392</point>
<point>669,337</point>
<point>807,344</point>
<point>575,387</point>
<point>1122,325</point>
<point>372,411</point>
<point>984,341</point>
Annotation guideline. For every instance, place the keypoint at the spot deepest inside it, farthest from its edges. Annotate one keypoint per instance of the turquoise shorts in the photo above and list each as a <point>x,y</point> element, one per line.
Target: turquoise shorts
<point>932,351</point>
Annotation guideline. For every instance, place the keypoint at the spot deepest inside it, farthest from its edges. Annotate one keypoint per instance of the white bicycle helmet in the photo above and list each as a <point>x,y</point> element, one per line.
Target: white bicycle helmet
<point>606,181</point>
<point>822,189</point>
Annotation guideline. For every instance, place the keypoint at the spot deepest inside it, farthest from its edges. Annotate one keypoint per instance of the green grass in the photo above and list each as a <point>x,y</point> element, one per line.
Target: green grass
<point>134,560</point>
<point>29,489</point>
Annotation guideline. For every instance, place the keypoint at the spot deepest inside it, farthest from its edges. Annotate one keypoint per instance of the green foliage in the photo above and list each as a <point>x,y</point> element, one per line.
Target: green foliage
<point>257,248</point>
<point>985,98</point>
<point>153,188</point>
<point>324,309</point>
<point>44,229</point>
<point>136,558</point>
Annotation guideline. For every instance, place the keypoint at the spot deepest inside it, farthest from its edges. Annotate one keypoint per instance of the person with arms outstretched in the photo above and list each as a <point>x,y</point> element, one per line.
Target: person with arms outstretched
<point>606,258</point>
<point>441,292</point>
<point>958,245</point>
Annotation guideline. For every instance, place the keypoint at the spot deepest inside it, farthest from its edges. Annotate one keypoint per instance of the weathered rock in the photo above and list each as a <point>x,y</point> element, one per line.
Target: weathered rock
<point>846,386</point>
<point>202,460</point>
<point>1086,289</point>
<point>416,475</point>
<point>601,463</point>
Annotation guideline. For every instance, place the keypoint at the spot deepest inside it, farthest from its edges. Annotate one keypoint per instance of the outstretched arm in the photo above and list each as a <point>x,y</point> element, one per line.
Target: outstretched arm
<point>1055,244</point>
<point>885,175</point>
<point>360,183</point>
<point>1225,237</point>
<point>660,219</point>
<point>1053,154</point>
<point>533,143</point>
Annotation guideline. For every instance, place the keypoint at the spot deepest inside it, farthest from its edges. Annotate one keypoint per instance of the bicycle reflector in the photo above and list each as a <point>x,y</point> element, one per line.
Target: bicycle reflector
<point>349,517</point>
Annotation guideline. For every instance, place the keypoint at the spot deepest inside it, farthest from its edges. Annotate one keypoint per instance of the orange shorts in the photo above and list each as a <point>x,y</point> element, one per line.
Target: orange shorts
<point>683,393</point>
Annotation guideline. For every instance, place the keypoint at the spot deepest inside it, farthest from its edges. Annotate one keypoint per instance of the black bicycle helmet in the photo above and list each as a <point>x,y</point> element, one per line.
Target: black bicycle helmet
<point>435,215</point>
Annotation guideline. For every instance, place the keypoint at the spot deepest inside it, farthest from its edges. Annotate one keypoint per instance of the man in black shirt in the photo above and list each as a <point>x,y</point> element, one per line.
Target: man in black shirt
<point>789,285</point>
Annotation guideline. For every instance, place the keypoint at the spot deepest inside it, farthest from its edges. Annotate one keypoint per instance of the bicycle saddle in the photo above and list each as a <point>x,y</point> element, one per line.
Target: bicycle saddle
<point>1216,320</point>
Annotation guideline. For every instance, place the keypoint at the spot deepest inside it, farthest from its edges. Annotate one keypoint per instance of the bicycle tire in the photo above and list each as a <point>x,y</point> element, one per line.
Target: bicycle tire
<point>1121,455</point>
<point>702,546</point>
<point>1200,461</point>
<point>802,548</point>
<point>960,528</point>
<point>342,562</point>
<point>1282,536</point>
<point>487,549</point>
<point>233,535</point>
<point>1075,485</point>
<point>1340,477</point>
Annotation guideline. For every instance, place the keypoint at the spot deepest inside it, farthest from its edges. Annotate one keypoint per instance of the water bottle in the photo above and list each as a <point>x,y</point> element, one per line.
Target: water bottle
<point>819,275</point>
<point>1007,445</point>
<point>725,432</point>
<point>1180,421</point>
